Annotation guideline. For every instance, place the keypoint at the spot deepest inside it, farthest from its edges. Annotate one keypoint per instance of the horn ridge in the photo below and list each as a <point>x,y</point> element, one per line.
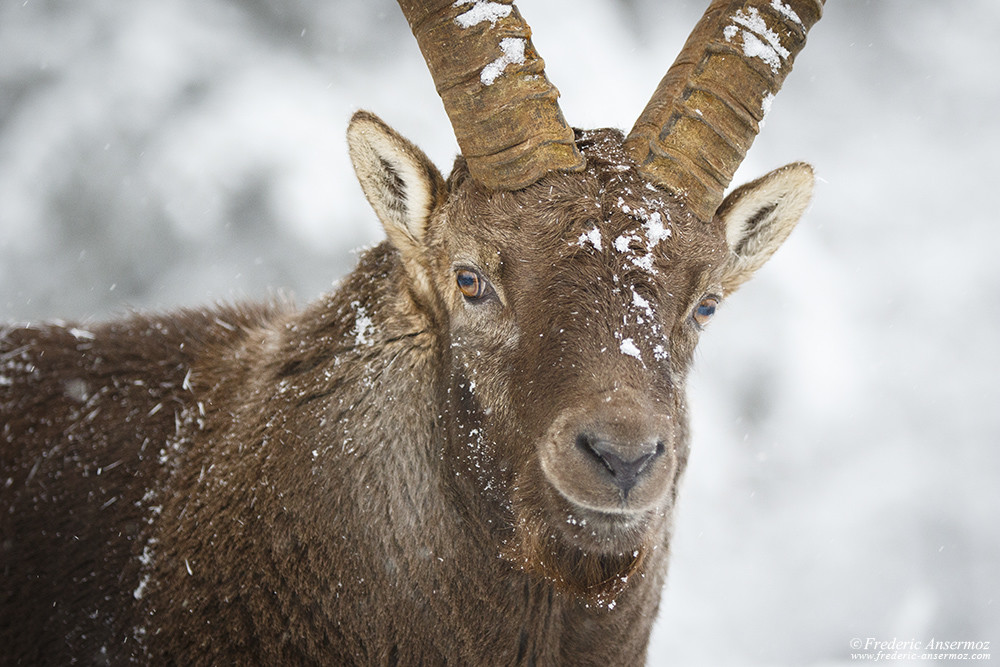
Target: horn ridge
<point>706,111</point>
<point>502,107</point>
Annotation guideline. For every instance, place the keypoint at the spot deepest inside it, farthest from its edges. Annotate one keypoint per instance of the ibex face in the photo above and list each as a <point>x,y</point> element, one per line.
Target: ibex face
<point>567,313</point>
<point>572,362</point>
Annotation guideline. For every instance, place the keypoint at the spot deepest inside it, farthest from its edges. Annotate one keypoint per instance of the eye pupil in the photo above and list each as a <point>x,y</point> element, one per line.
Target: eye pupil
<point>704,310</point>
<point>470,284</point>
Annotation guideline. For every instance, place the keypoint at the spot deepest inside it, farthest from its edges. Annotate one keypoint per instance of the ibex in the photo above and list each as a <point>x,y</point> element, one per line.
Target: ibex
<point>469,452</point>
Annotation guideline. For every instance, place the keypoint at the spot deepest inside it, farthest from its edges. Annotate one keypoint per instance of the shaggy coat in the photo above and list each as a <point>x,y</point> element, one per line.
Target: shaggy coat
<point>467,454</point>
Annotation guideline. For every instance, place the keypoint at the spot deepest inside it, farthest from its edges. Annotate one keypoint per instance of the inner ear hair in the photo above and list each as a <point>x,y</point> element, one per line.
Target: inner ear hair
<point>392,185</point>
<point>749,226</point>
<point>759,216</point>
<point>400,182</point>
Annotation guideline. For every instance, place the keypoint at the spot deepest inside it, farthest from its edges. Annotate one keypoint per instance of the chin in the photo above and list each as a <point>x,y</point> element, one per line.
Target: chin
<point>590,553</point>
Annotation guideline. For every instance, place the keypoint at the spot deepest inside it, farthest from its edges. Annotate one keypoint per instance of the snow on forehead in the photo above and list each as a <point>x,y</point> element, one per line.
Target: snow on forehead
<point>631,217</point>
<point>615,208</point>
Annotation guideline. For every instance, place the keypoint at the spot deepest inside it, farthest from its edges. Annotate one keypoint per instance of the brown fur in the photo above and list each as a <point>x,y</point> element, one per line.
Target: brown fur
<point>393,475</point>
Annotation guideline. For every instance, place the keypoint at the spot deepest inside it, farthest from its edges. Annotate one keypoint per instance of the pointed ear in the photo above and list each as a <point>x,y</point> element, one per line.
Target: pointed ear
<point>759,216</point>
<point>401,184</point>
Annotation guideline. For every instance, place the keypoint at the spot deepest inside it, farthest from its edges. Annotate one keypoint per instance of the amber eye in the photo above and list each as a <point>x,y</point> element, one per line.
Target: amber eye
<point>470,283</point>
<point>704,310</point>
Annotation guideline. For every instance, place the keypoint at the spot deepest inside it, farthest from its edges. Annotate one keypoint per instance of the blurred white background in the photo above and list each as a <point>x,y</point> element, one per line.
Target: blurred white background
<point>846,404</point>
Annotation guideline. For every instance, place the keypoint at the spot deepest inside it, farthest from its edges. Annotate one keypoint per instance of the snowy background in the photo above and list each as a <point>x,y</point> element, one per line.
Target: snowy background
<point>846,403</point>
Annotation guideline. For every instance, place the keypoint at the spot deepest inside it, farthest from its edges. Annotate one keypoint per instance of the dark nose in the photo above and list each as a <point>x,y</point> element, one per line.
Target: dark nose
<point>625,464</point>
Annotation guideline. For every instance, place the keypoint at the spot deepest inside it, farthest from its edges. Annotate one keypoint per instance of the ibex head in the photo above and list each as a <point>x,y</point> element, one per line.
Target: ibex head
<point>568,274</point>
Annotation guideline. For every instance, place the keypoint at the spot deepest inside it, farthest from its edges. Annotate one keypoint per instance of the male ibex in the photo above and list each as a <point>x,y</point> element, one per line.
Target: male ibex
<point>469,453</point>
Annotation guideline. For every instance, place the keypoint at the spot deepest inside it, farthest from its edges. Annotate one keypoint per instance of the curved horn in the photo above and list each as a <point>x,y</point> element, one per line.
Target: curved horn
<point>492,82</point>
<point>700,122</point>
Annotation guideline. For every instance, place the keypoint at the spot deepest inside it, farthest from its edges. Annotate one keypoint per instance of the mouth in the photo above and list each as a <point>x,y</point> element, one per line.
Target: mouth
<point>602,530</point>
<point>603,505</point>
<point>583,517</point>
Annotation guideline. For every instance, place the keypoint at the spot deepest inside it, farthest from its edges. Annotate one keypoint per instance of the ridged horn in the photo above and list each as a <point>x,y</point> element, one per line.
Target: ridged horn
<point>493,85</point>
<point>704,115</point>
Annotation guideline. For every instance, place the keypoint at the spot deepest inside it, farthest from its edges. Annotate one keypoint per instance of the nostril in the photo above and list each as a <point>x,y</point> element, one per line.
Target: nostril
<point>591,445</point>
<point>625,471</point>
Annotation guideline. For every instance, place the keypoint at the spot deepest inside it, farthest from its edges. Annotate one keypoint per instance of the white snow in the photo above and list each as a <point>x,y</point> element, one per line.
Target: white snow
<point>786,11</point>
<point>652,224</point>
<point>655,231</point>
<point>147,555</point>
<point>81,334</point>
<point>593,237</point>
<point>759,41</point>
<point>641,302</point>
<point>140,590</point>
<point>765,108</point>
<point>755,48</point>
<point>629,347</point>
<point>512,53</point>
<point>364,327</point>
<point>644,262</point>
<point>481,11</point>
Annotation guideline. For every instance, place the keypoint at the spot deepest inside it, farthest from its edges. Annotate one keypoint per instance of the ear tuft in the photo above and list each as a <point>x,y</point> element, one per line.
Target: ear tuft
<point>759,216</point>
<point>401,184</point>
